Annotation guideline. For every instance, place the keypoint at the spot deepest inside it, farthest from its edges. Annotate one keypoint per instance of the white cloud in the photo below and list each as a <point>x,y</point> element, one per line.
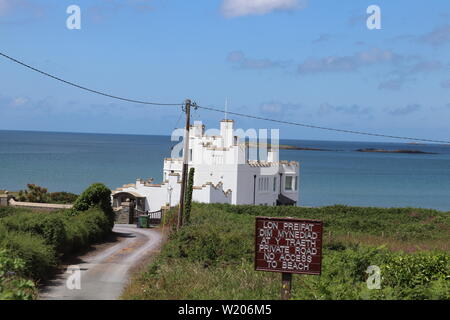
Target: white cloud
<point>239,59</point>
<point>19,101</point>
<point>237,8</point>
<point>347,63</point>
<point>24,7</point>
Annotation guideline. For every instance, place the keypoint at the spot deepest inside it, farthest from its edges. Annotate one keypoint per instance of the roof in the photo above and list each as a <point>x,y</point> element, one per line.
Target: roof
<point>285,201</point>
<point>135,194</point>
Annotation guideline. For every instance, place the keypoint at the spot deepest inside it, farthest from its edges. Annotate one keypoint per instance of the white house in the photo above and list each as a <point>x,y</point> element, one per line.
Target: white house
<point>223,174</point>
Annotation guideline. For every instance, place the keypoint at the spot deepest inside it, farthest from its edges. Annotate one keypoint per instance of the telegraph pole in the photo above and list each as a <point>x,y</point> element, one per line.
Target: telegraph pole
<point>187,109</point>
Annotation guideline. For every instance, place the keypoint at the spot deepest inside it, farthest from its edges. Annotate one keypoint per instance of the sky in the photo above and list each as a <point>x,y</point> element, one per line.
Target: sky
<point>308,61</point>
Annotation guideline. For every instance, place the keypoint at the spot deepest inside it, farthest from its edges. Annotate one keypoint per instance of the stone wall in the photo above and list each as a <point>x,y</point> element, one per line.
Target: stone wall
<point>39,206</point>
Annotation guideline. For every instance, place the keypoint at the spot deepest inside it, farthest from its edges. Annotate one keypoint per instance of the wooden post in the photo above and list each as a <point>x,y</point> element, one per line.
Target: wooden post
<point>185,163</point>
<point>286,285</point>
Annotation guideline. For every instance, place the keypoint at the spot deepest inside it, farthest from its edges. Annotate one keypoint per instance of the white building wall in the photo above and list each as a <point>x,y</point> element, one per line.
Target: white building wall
<point>221,160</point>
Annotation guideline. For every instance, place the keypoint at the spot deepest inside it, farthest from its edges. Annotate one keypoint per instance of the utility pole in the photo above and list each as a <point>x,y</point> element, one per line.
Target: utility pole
<point>187,109</point>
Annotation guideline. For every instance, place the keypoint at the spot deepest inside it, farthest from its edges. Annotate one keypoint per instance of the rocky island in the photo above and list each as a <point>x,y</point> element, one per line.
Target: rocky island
<point>394,151</point>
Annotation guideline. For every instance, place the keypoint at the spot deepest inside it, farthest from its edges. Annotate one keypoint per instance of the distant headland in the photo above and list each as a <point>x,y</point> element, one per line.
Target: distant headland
<point>375,150</point>
<point>394,151</point>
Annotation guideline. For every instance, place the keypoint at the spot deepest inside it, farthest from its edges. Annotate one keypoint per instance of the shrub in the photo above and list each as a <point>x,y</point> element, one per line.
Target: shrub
<point>13,285</point>
<point>62,197</point>
<point>85,228</point>
<point>212,257</point>
<point>9,211</point>
<point>34,193</point>
<point>96,195</point>
<point>416,269</point>
<point>38,257</point>
<point>48,225</point>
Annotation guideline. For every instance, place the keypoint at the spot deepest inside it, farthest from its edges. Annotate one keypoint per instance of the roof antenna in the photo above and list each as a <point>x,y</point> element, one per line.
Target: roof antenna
<point>226,108</point>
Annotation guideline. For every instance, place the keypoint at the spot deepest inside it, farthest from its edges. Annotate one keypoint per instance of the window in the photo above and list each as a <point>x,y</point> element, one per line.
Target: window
<point>296,183</point>
<point>264,184</point>
<point>288,183</point>
<point>190,154</point>
<point>274,184</point>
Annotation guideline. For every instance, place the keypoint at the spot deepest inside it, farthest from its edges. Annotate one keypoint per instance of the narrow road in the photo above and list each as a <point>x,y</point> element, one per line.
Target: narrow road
<point>105,272</point>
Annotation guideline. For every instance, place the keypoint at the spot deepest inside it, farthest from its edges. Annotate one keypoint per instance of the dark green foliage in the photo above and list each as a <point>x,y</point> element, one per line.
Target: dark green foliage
<point>188,200</point>
<point>39,258</point>
<point>399,223</point>
<point>415,270</point>
<point>85,228</point>
<point>9,211</point>
<point>39,239</point>
<point>35,193</point>
<point>13,284</point>
<point>50,226</point>
<point>62,197</point>
<point>212,257</point>
<point>96,195</point>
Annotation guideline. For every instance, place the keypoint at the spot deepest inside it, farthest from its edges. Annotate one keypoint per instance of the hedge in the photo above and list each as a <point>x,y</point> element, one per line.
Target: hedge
<point>36,241</point>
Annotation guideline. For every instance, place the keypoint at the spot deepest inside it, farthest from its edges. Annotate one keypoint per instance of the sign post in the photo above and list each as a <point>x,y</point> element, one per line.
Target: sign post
<point>288,246</point>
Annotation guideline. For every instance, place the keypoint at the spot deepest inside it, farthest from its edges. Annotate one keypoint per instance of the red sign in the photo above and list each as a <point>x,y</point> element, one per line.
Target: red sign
<point>288,245</point>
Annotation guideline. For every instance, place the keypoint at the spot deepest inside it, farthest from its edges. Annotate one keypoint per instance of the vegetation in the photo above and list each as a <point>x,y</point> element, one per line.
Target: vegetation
<point>35,193</point>
<point>97,195</point>
<point>32,243</point>
<point>13,285</point>
<point>212,257</point>
<point>188,200</point>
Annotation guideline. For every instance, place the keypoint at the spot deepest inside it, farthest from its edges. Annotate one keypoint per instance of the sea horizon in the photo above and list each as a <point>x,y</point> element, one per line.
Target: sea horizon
<point>70,161</point>
<point>392,141</point>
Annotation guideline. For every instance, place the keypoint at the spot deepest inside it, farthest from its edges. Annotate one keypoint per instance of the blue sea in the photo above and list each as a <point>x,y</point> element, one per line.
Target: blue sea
<point>340,175</point>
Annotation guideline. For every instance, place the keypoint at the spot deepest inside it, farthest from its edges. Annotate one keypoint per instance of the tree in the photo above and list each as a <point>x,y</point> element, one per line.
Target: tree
<point>34,193</point>
<point>95,195</point>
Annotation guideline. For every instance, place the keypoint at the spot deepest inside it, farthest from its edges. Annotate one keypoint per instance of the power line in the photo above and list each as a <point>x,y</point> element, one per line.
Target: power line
<point>219,110</point>
<point>322,128</point>
<point>84,88</point>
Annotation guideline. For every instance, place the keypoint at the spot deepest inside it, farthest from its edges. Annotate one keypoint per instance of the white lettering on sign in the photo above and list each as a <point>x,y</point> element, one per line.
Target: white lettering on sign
<point>288,245</point>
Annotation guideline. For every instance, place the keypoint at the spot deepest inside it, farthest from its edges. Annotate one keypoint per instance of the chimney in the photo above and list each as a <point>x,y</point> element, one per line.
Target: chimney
<point>226,131</point>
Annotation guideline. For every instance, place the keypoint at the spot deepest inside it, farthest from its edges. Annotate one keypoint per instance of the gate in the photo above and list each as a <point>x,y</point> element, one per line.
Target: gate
<point>155,217</point>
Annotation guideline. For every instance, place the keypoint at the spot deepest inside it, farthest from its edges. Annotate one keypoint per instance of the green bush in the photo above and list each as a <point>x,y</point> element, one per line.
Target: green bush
<point>416,269</point>
<point>85,228</point>
<point>62,197</point>
<point>398,223</point>
<point>95,195</point>
<point>35,193</point>
<point>39,258</point>
<point>35,241</point>
<point>212,257</point>
<point>9,211</point>
<point>13,284</point>
<point>48,225</point>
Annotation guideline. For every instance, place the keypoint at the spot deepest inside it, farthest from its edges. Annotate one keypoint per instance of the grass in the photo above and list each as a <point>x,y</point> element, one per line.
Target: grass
<point>212,257</point>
